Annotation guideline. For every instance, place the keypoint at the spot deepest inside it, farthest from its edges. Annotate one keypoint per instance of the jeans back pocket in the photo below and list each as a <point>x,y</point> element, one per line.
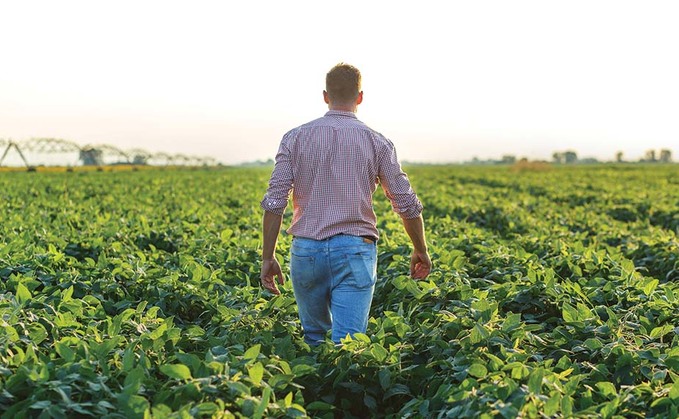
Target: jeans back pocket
<point>363,269</point>
<point>302,270</point>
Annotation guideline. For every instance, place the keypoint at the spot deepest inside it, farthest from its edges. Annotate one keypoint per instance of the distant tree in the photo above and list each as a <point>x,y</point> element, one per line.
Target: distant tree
<point>570,157</point>
<point>508,159</point>
<point>665,155</point>
<point>650,156</point>
<point>618,157</point>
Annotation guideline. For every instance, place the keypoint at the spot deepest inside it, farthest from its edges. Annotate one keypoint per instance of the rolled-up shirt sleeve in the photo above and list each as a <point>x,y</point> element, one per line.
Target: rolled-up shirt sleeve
<point>280,184</point>
<point>396,185</point>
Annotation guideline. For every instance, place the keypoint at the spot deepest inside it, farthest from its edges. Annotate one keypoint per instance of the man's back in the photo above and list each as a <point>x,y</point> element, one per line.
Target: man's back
<point>334,163</point>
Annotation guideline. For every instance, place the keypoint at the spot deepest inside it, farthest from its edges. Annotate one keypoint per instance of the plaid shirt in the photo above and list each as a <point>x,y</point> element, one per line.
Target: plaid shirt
<point>333,165</point>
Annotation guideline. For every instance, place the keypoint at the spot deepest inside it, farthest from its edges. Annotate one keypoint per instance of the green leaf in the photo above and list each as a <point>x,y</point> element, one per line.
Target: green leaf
<point>535,380</point>
<point>478,334</point>
<point>520,372</point>
<point>319,405</point>
<point>128,359</point>
<point>415,290</point>
<point>512,321</point>
<point>23,295</point>
<point>134,380</point>
<point>649,285</point>
<point>134,406</point>
<point>253,352</point>
<point>67,294</point>
<point>401,328</point>
<point>263,404</point>
<point>628,267</point>
<point>302,370</point>
<point>606,389</point>
<point>158,332</point>
<point>115,325</point>
<point>256,372</point>
<point>370,402</point>
<point>225,235</point>
<point>190,360</point>
<point>609,408</point>
<point>102,349</point>
<point>661,403</point>
<point>552,404</point>
<point>593,344</point>
<point>397,389</point>
<point>176,371</point>
<point>64,351</point>
<point>661,331</point>
<point>361,337</point>
<point>477,370</point>
<point>569,313</point>
<point>41,405</point>
<point>296,411</point>
<point>285,367</point>
<point>494,363</point>
<point>280,381</point>
<point>384,377</point>
<point>287,401</point>
<point>207,409</point>
<point>401,282</point>
<point>459,262</point>
<point>584,312</point>
<point>674,391</point>
<point>567,406</point>
<point>11,333</point>
<point>37,333</point>
<point>141,307</point>
<point>378,352</point>
<point>239,388</point>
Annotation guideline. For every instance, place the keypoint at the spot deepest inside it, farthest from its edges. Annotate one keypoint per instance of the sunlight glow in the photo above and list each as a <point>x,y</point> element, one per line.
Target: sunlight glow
<point>445,81</point>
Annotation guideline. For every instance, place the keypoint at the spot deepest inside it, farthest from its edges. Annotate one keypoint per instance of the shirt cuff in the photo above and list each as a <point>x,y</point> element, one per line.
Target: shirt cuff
<point>411,211</point>
<point>273,205</point>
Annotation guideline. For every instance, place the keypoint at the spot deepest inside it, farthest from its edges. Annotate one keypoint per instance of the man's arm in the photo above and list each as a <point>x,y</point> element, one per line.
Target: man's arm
<point>274,203</point>
<point>271,226</point>
<point>404,201</point>
<point>420,263</point>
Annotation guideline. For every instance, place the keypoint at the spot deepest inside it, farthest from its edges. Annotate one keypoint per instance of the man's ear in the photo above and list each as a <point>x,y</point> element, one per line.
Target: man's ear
<point>359,99</point>
<point>325,97</point>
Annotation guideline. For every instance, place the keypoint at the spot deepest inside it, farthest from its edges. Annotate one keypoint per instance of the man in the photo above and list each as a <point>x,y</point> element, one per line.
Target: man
<point>333,165</point>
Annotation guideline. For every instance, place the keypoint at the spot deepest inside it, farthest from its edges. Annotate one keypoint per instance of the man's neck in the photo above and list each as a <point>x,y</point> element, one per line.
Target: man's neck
<point>343,108</point>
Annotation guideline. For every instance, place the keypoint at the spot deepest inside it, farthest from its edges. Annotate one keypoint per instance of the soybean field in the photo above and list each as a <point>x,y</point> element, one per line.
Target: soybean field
<point>136,294</point>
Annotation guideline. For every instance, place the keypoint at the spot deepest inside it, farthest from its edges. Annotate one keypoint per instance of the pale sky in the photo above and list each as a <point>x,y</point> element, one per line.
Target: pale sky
<point>445,81</point>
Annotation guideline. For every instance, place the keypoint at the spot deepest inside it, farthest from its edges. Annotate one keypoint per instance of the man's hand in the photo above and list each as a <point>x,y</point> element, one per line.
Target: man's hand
<point>270,269</point>
<point>271,226</point>
<point>420,265</point>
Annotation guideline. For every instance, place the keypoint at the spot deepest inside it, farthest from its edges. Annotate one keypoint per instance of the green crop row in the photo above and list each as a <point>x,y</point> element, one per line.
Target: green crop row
<point>136,294</point>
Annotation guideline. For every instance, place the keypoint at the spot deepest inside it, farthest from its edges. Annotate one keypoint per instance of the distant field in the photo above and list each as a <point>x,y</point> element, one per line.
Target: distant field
<point>554,294</point>
<point>109,168</point>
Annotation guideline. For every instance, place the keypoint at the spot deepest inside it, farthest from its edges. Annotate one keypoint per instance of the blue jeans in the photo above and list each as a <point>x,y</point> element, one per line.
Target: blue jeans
<point>333,281</point>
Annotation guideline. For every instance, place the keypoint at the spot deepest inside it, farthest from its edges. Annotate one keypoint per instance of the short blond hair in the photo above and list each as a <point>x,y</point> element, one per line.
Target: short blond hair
<point>343,83</point>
